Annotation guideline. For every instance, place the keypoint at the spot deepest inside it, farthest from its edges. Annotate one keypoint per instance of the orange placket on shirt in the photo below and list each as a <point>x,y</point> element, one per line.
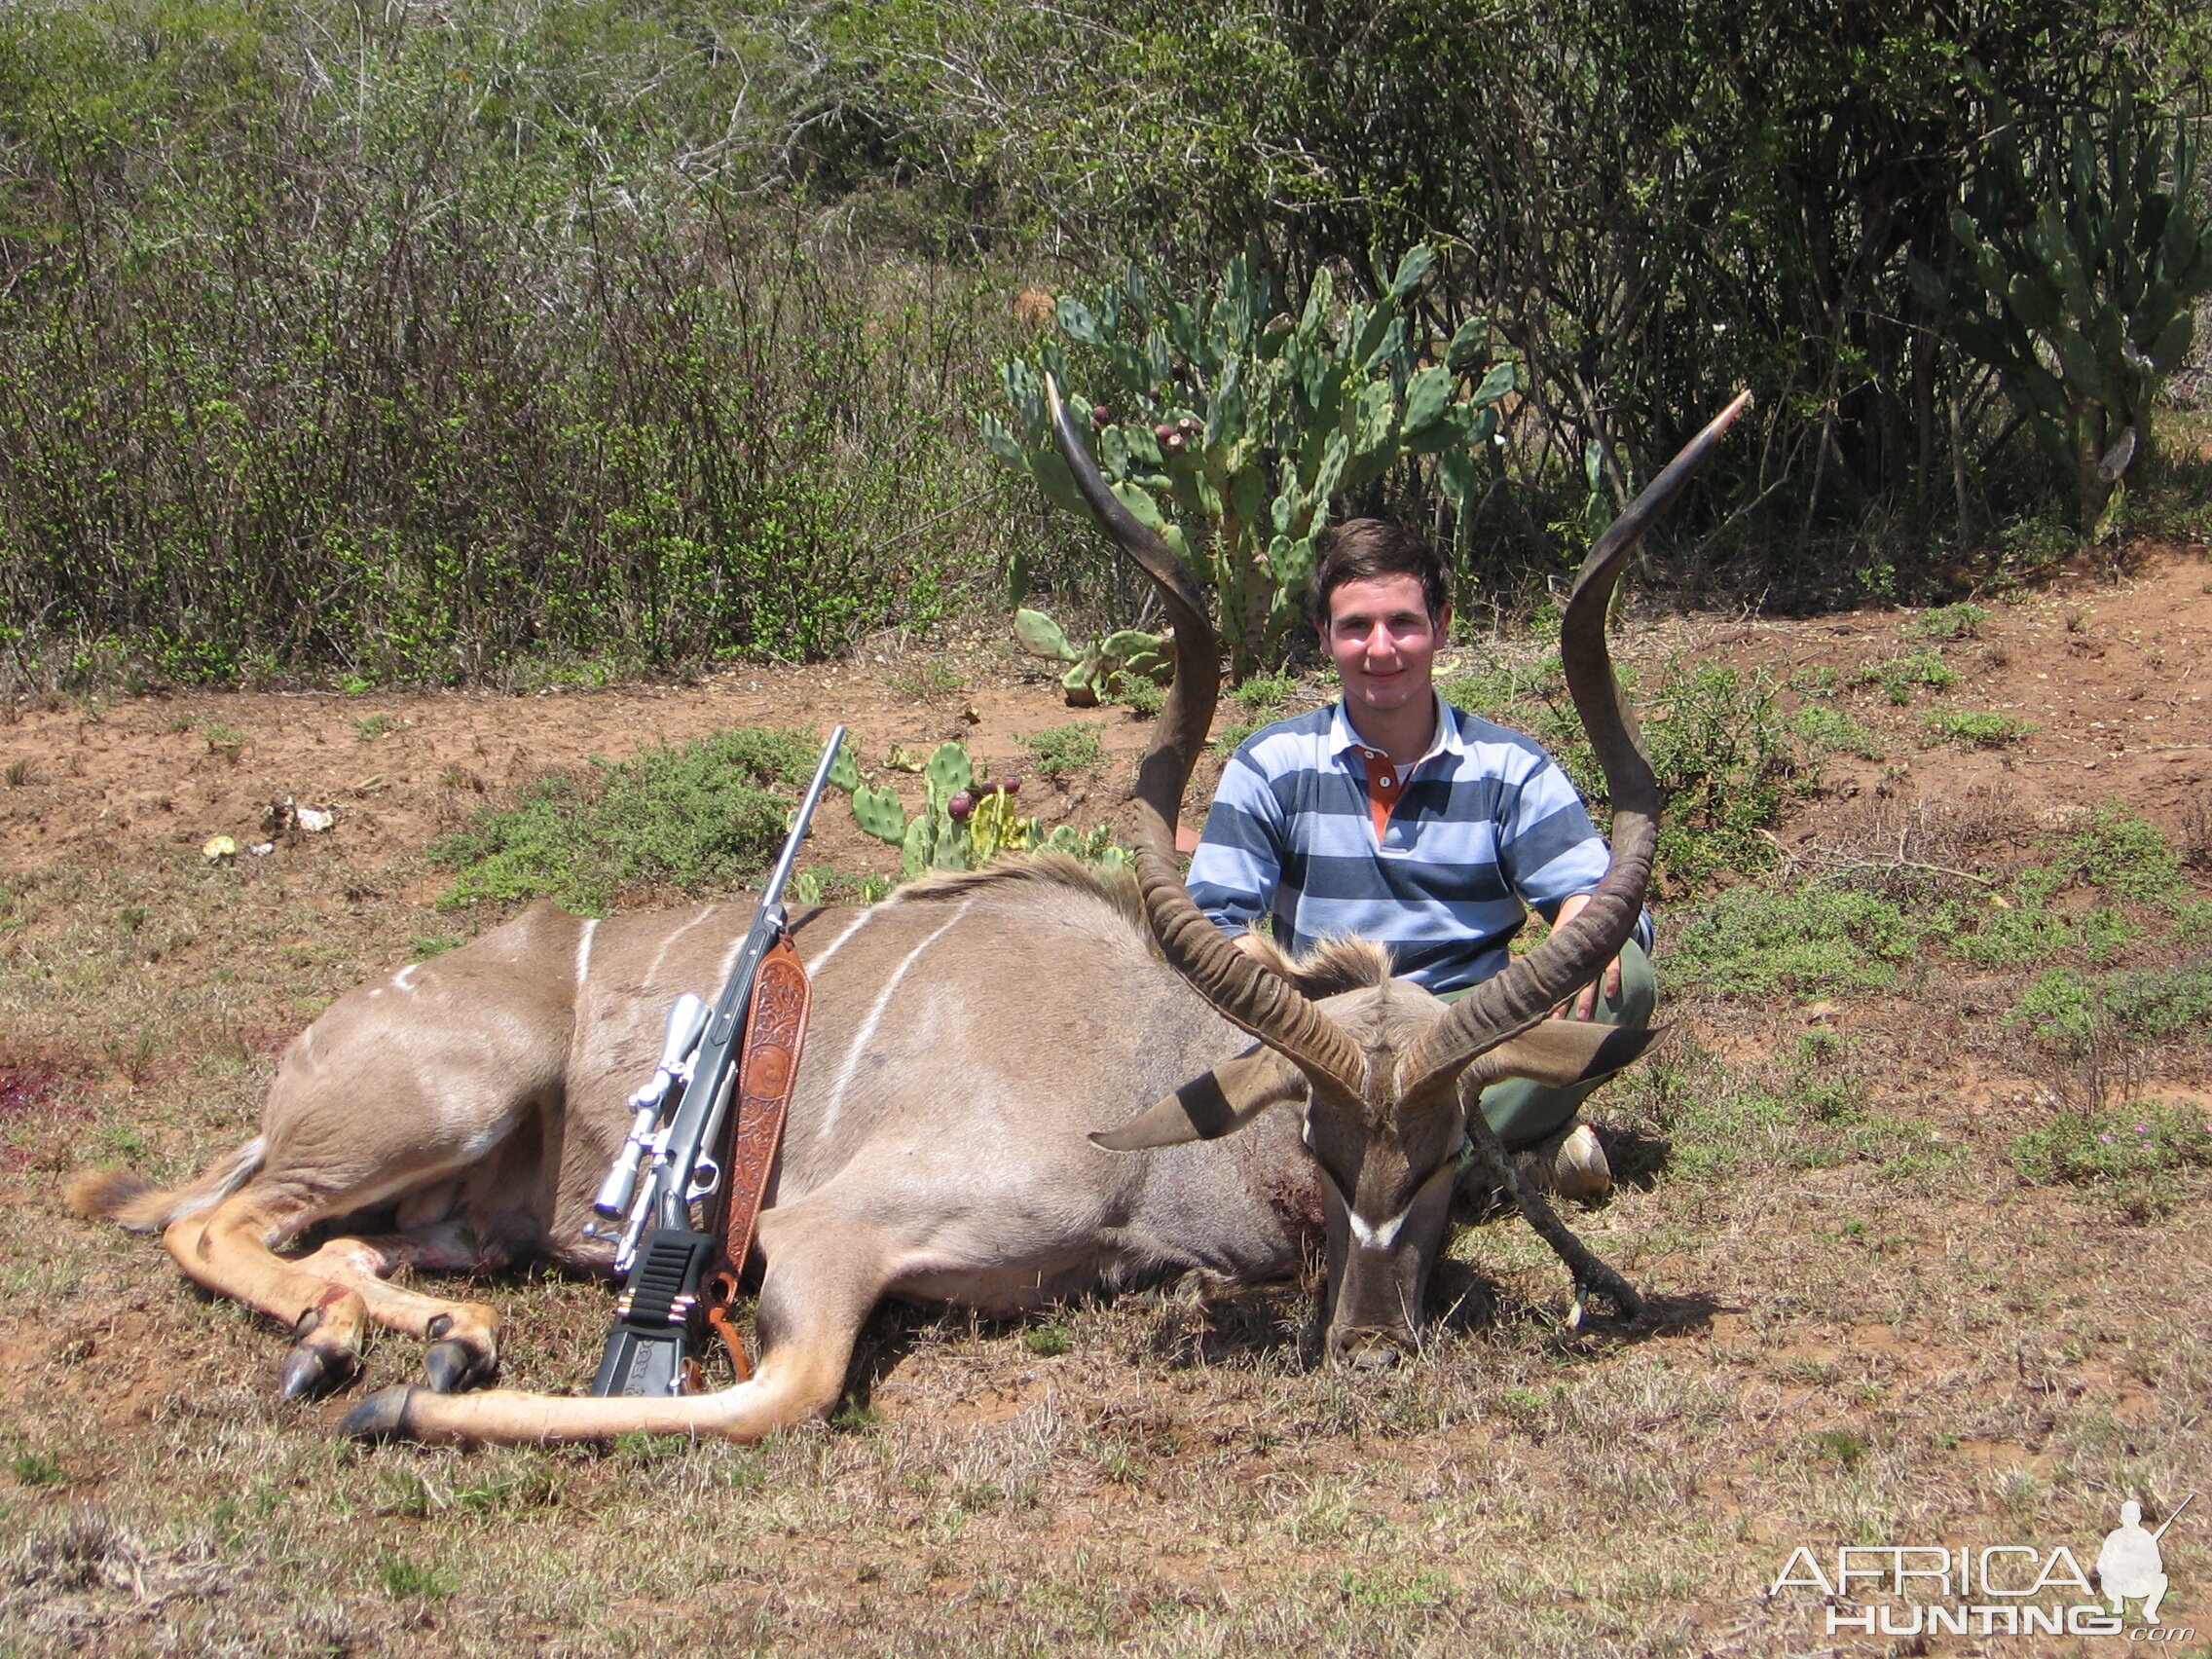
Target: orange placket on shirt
<point>1385,784</point>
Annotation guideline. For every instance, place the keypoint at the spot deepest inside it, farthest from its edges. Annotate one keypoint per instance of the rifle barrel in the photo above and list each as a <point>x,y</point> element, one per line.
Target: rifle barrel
<point>772,890</point>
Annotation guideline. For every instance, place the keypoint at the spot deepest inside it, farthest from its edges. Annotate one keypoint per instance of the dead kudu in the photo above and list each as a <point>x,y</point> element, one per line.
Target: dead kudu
<point>974,1040</point>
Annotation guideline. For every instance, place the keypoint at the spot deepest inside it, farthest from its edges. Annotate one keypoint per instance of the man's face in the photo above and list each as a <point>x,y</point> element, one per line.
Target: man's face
<point>1383,641</point>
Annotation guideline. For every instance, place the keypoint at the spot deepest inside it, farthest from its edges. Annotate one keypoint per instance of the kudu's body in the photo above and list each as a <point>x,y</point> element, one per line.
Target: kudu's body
<point>975,1042</point>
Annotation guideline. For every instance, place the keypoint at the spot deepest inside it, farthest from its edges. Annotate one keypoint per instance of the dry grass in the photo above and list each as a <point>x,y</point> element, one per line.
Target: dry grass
<point>1870,1332</point>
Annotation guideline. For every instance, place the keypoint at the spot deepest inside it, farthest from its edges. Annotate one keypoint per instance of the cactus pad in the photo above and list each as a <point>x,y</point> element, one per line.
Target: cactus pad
<point>879,812</point>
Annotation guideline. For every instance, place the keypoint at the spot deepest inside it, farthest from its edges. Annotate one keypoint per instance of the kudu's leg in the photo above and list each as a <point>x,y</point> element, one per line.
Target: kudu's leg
<point>327,1298</point>
<point>464,1335</point>
<point>230,1250</point>
<point>1590,1274</point>
<point>825,1272</point>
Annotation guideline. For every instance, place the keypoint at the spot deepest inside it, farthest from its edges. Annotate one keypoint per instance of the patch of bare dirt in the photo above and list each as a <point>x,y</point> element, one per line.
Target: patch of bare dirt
<point>2115,676</point>
<point>114,780</point>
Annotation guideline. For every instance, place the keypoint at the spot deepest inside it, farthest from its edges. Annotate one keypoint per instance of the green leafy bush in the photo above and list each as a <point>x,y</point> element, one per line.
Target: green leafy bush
<point>1061,749</point>
<point>1824,725</point>
<point>1807,940</point>
<point>1976,728</point>
<point>703,818</point>
<point>1950,622</point>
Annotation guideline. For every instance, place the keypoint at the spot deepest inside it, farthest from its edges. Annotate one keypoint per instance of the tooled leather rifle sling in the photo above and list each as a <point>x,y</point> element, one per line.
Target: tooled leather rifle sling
<point>775,1033</point>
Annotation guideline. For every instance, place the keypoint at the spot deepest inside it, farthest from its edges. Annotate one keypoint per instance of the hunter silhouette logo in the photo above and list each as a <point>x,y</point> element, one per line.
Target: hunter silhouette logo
<point>1997,1589</point>
<point>2129,1564</point>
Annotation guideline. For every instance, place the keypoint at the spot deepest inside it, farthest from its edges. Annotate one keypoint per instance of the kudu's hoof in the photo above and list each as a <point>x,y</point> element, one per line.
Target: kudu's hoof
<point>1617,1292</point>
<point>382,1415</point>
<point>311,1371</point>
<point>454,1365</point>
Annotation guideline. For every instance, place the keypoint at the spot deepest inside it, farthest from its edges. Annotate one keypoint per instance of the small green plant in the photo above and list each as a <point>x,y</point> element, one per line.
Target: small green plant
<point>1825,727</point>
<point>427,946</point>
<point>1046,1341</point>
<point>369,727</point>
<point>36,1469</point>
<point>1901,675</point>
<point>1950,622</point>
<point>1059,751</point>
<point>930,678</point>
<point>2075,1012</point>
<point>1842,1446</point>
<point>20,771</point>
<point>1976,728</point>
<point>1141,697</point>
<point>224,739</point>
<point>2124,854</point>
<point>1265,695</point>
<point>404,1580</point>
<point>2140,1153</point>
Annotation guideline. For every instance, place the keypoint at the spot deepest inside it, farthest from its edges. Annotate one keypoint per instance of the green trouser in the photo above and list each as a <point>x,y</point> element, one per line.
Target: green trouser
<point>1523,1111</point>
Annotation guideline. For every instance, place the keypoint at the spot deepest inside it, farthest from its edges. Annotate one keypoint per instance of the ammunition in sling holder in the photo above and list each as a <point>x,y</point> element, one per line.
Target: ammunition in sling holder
<point>657,1317</point>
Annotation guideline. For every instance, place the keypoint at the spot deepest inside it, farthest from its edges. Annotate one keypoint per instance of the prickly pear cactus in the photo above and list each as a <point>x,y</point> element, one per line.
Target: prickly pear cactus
<point>879,812</point>
<point>966,821</point>
<point>2081,302</point>
<point>1228,427</point>
<point>1101,667</point>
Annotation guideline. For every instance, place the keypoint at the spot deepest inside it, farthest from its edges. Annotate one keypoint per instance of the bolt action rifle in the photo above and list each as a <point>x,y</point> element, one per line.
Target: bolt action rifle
<point>675,1157</point>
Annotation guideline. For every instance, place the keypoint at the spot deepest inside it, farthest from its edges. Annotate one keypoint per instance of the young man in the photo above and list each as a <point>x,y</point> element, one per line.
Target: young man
<point>1393,816</point>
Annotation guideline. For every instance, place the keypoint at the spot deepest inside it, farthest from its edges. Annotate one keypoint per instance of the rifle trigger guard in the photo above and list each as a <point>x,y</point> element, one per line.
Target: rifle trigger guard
<point>706,1176</point>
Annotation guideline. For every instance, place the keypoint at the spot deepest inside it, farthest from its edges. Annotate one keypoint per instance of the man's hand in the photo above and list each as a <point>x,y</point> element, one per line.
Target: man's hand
<point>1584,1005</point>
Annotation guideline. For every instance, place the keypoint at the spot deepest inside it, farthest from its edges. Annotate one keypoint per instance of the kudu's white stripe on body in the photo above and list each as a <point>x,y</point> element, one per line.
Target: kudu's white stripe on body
<point>866,1033</point>
<point>652,973</point>
<point>583,952</point>
<point>837,945</point>
<point>404,980</point>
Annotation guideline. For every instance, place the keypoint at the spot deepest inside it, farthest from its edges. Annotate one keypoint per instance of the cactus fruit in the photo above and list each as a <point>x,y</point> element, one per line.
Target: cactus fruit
<point>1245,422</point>
<point>960,806</point>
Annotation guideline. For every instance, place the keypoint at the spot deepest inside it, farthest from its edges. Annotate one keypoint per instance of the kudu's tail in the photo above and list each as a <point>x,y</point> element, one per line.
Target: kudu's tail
<point>133,1201</point>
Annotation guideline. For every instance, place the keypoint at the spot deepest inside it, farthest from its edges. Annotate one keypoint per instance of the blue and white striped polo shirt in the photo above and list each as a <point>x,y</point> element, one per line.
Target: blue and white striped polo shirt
<point>1485,823</point>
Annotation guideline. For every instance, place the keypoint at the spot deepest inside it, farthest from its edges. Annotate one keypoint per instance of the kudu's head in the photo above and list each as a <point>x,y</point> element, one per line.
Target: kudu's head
<point>1387,1075</point>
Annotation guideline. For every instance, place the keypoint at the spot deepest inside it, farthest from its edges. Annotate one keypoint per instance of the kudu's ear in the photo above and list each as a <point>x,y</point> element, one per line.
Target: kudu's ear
<point>1212,1104</point>
<point>1557,1053</point>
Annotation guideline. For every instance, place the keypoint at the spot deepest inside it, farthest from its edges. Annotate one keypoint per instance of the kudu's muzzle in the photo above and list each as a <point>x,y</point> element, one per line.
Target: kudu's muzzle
<point>1378,1270</point>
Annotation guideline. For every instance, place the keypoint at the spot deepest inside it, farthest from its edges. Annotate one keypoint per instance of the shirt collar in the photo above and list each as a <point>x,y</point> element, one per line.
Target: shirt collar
<point>1446,740</point>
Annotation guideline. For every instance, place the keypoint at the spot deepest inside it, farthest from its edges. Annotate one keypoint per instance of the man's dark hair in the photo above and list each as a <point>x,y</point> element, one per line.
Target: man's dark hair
<point>1362,550</point>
